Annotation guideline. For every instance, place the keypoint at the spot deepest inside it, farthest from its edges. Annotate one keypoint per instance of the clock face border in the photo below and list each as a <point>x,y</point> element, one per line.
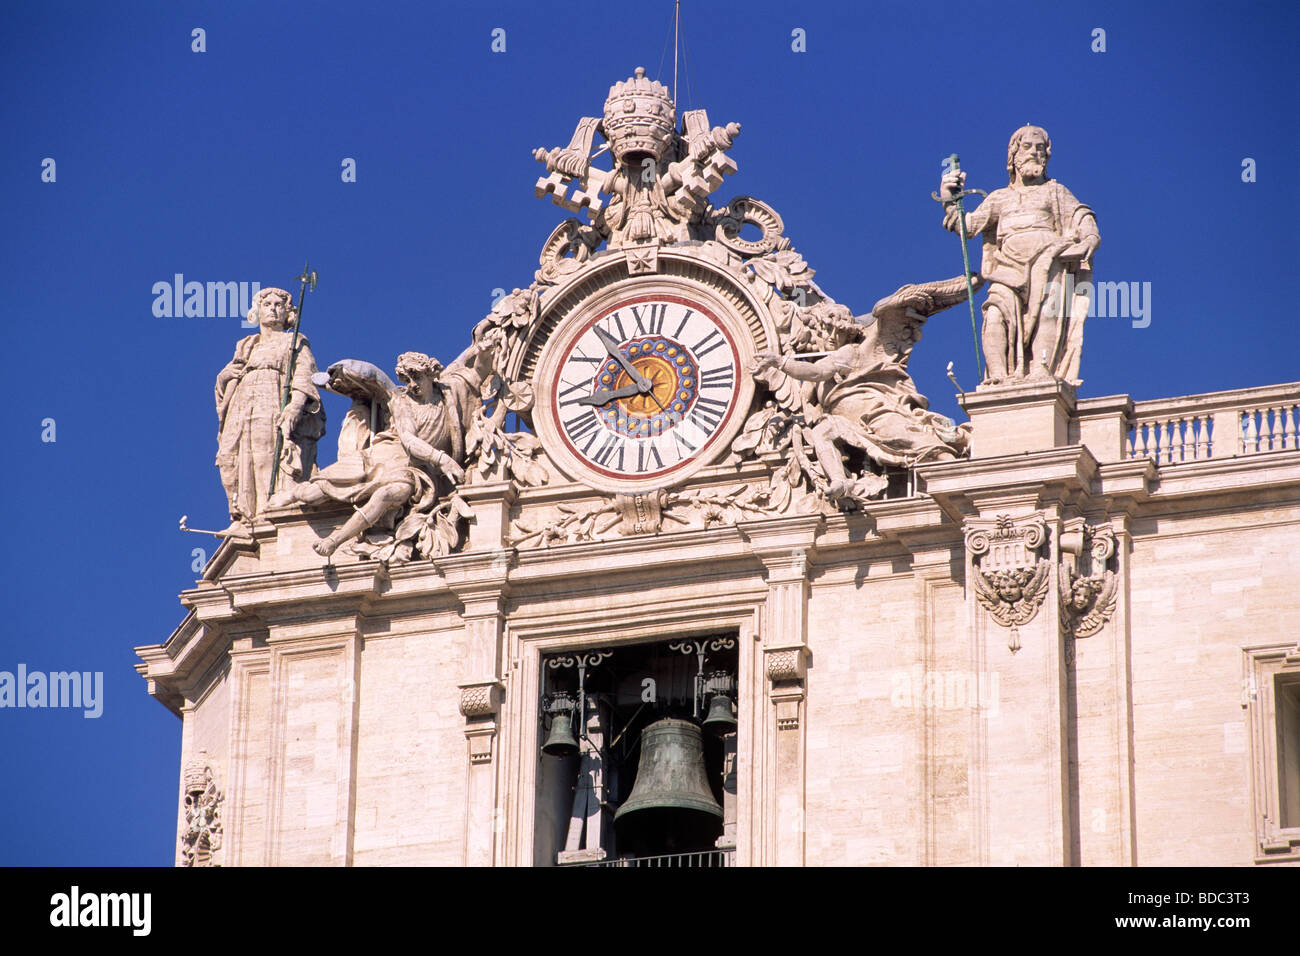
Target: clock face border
<point>571,328</point>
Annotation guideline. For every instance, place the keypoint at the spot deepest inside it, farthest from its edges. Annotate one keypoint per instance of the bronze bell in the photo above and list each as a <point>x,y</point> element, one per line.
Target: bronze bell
<point>671,808</point>
<point>720,720</point>
<point>560,742</point>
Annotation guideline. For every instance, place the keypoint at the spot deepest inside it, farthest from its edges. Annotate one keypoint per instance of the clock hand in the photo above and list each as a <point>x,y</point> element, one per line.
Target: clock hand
<point>605,395</point>
<point>611,346</point>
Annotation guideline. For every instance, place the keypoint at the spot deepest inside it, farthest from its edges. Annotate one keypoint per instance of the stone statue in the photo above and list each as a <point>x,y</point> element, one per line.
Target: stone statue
<point>248,393</point>
<point>864,399</point>
<point>1038,247</point>
<point>400,446</point>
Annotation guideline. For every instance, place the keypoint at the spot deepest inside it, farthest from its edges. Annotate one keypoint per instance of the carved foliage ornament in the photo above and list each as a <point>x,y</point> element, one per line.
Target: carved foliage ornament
<point>202,831</point>
<point>1010,577</point>
<point>649,513</point>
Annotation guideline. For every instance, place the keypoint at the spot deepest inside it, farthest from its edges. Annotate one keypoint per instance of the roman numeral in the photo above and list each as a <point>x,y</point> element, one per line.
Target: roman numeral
<point>616,323</point>
<point>681,440</point>
<point>723,377</point>
<point>643,459</point>
<point>584,424</point>
<point>582,358</point>
<point>707,413</point>
<point>654,318</point>
<point>699,349</point>
<point>581,390</point>
<point>606,452</point>
<point>685,318</point>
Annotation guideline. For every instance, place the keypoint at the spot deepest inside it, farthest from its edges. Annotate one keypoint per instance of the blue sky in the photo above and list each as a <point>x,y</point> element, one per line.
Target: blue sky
<point>225,166</point>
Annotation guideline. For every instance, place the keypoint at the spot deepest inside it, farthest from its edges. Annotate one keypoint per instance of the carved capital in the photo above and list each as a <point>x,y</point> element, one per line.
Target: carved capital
<point>480,700</point>
<point>1010,576</point>
<point>787,709</point>
<point>1088,579</point>
<point>786,664</point>
<point>480,741</point>
<point>1007,541</point>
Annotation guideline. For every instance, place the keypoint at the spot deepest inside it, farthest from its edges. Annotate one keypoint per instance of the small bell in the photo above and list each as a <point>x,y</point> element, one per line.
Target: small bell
<point>560,742</point>
<point>721,718</point>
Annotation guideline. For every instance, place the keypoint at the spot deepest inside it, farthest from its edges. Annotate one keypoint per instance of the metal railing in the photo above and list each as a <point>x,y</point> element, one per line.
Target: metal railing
<point>706,858</point>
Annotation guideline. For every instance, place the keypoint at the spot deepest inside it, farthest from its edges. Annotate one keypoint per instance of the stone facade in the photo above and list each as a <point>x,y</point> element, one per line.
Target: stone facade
<point>1065,633</point>
<point>364,715</point>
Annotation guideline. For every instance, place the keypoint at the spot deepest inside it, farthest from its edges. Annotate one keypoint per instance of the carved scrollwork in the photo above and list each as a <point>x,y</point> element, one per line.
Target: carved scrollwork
<point>567,248</point>
<point>1102,542</point>
<point>1010,541</point>
<point>743,211</point>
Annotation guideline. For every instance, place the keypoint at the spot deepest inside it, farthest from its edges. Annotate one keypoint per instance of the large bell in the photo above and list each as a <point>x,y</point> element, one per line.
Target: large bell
<point>720,719</point>
<point>560,742</point>
<point>671,808</point>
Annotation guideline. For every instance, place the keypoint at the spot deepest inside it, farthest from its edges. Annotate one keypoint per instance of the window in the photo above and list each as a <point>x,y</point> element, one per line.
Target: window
<point>1271,697</point>
<point>637,756</point>
<point>1287,695</point>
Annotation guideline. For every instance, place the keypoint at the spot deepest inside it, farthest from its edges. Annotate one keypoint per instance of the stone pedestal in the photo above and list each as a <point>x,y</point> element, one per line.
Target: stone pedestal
<point>1102,424</point>
<point>1027,416</point>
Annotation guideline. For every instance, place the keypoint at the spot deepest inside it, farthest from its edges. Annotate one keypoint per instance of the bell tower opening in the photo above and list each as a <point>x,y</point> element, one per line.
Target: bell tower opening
<point>637,755</point>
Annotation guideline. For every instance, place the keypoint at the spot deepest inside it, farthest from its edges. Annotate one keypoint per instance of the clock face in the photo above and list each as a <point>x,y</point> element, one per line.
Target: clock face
<point>643,391</point>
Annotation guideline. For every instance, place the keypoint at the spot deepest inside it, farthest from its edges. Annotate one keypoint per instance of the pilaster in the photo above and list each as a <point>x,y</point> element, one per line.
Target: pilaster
<point>784,546</point>
<point>314,672</point>
<point>479,581</point>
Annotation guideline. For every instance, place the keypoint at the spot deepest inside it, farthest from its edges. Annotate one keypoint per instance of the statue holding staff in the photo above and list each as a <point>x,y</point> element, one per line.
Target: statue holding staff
<point>1038,246</point>
<point>254,429</point>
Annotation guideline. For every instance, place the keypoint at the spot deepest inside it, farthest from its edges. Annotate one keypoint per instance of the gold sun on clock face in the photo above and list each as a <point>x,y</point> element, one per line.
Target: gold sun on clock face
<point>642,391</point>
